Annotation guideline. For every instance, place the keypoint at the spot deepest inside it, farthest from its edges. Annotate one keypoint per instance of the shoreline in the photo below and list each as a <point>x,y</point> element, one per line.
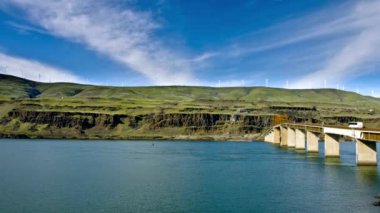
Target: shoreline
<point>134,138</point>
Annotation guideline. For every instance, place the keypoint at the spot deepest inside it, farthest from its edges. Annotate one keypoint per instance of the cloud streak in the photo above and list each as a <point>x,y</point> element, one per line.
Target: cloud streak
<point>363,47</point>
<point>122,34</point>
<point>320,24</point>
<point>34,70</point>
<point>336,44</point>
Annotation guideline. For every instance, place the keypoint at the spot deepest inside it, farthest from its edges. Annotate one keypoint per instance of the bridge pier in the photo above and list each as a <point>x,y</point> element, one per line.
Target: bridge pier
<point>300,139</point>
<point>301,136</point>
<point>331,145</point>
<point>277,135</point>
<point>312,140</point>
<point>291,138</point>
<point>366,153</point>
<point>284,136</point>
<point>267,137</point>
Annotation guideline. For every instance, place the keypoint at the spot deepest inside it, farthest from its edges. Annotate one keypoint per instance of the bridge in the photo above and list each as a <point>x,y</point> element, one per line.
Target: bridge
<point>306,137</point>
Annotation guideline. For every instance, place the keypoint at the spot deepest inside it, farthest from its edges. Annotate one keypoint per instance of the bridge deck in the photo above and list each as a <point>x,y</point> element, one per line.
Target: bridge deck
<point>306,136</point>
<point>368,134</point>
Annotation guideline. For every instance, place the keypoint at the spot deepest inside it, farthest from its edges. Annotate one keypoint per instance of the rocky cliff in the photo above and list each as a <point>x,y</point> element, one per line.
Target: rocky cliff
<point>156,125</point>
<point>52,124</point>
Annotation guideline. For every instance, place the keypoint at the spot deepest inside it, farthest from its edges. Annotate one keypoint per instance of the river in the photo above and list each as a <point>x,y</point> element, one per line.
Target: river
<point>158,176</point>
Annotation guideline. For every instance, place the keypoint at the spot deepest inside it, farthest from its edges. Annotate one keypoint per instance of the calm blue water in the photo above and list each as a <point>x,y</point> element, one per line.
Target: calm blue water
<point>85,176</point>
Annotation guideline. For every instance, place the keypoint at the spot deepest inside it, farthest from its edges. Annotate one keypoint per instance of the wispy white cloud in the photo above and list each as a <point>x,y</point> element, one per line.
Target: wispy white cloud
<point>363,47</point>
<point>23,28</point>
<point>345,64</point>
<point>204,56</point>
<point>123,34</point>
<point>323,23</point>
<point>336,43</point>
<point>34,70</point>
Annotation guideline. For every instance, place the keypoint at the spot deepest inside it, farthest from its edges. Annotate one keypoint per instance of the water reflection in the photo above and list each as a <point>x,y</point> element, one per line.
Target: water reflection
<point>367,174</point>
<point>333,161</point>
<point>312,155</point>
<point>281,147</point>
<point>299,151</point>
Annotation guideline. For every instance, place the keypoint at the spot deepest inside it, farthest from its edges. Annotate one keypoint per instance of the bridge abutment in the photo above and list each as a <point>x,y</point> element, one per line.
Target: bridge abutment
<point>331,145</point>
<point>300,139</point>
<point>366,153</point>
<point>291,138</point>
<point>312,140</point>
<point>269,137</point>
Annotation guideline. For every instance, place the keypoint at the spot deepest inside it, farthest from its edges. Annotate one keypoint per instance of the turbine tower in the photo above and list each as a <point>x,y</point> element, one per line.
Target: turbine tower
<point>3,69</point>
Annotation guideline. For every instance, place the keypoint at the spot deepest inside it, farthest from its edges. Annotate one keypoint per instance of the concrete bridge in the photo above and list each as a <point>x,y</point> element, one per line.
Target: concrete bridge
<point>306,137</point>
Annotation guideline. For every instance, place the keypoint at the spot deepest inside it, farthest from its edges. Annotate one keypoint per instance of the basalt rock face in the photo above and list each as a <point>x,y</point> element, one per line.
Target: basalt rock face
<point>20,123</point>
<point>54,124</point>
<point>77,120</point>
<point>216,123</point>
<point>204,120</point>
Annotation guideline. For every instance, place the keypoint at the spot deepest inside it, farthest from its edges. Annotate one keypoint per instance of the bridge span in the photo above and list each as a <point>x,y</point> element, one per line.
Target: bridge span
<point>305,136</point>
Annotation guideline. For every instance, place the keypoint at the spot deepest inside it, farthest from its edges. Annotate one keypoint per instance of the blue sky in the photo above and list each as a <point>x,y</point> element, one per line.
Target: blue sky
<point>287,43</point>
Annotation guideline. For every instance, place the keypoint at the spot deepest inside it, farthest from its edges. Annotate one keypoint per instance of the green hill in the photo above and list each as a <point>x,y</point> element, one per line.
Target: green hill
<point>65,110</point>
<point>13,87</point>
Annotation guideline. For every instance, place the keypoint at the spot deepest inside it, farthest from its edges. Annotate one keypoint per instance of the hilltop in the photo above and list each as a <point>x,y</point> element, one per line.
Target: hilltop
<point>14,87</point>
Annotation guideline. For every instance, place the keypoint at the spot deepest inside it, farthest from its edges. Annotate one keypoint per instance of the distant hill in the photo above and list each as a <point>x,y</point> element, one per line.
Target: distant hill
<point>31,109</point>
<point>14,87</point>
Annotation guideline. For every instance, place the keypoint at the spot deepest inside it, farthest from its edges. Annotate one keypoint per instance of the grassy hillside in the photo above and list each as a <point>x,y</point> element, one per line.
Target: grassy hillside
<point>13,87</point>
<point>64,110</point>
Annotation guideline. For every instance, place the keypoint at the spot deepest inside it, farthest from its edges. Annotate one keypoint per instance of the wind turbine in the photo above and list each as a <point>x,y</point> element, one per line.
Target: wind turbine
<point>3,69</point>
